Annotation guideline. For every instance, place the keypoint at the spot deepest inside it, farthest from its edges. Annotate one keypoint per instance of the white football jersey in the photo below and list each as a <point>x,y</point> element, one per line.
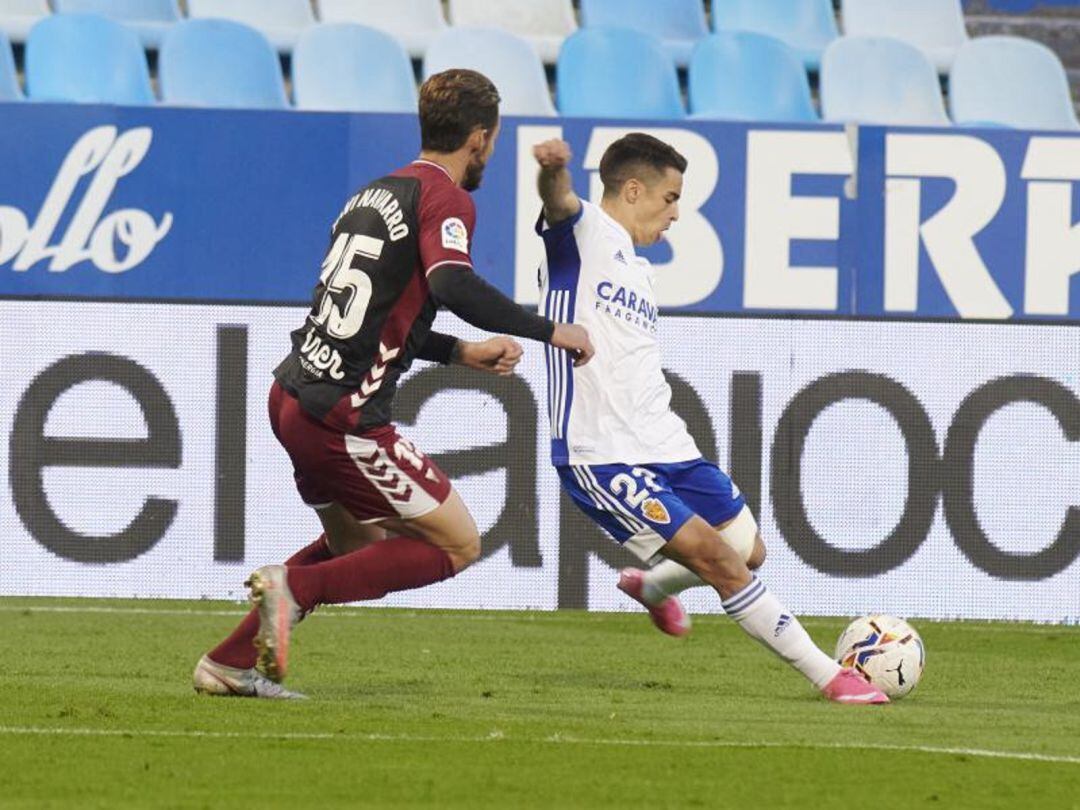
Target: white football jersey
<point>616,409</point>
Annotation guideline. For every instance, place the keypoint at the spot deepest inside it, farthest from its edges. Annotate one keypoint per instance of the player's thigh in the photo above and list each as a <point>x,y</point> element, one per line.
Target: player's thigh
<point>450,526</point>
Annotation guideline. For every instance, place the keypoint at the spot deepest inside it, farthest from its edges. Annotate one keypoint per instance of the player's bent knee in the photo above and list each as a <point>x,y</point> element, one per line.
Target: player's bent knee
<point>757,556</point>
<point>463,548</point>
<point>467,553</point>
<point>741,533</point>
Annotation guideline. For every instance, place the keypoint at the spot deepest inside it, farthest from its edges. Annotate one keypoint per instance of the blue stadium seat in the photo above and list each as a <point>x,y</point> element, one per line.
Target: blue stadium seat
<point>743,75</point>
<point>17,17</point>
<point>413,23</point>
<point>149,18</point>
<point>617,73</point>
<point>505,58</point>
<point>86,58</point>
<point>9,79</point>
<point>876,80</point>
<point>679,23</point>
<point>808,26</point>
<point>352,68</point>
<point>219,63</point>
<point>1012,82</point>
<point>936,27</point>
<point>544,23</point>
<point>280,21</point>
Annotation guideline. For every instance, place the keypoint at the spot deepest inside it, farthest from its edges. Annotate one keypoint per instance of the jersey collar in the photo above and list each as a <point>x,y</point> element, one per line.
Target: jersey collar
<point>442,169</point>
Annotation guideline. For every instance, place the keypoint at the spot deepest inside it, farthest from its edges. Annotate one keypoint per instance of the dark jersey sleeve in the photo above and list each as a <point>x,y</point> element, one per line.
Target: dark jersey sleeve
<point>475,301</point>
<point>447,219</point>
<point>438,348</point>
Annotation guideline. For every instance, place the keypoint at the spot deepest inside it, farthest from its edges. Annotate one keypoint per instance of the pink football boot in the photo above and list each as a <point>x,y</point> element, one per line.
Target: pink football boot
<point>848,686</point>
<point>667,614</point>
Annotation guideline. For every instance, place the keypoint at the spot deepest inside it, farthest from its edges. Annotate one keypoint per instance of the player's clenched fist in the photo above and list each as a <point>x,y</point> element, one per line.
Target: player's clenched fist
<point>498,355</point>
<point>552,154</point>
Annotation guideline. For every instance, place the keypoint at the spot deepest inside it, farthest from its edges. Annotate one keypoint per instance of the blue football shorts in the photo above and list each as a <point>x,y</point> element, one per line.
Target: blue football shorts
<point>642,506</point>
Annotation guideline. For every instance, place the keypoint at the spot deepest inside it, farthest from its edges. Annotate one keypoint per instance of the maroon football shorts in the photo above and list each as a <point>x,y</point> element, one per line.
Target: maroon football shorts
<point>375,475</point>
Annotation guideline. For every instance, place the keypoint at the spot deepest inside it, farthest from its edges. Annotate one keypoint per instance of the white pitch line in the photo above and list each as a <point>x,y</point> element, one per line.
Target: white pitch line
<point>556,739</point>
<point>389,612</point>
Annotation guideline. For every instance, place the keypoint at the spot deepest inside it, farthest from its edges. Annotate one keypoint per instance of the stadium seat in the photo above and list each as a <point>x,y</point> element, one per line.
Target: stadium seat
<point>280,21</point>
<point>413,23</point>
<point>17,17</point>
<point>219,63</point>
<point>86,58</point>
<point>808,26</point>
<point>679,23</point>
<point>936,27</point>
<point>1012,82</point>
<point>352,68</point>
<point>596,76</point>
<point>876,80</point>
<point>544,23</point>
<point>9,79</point>
<point>743,75</point>
<point>504,58</point>
<point>150,19</point>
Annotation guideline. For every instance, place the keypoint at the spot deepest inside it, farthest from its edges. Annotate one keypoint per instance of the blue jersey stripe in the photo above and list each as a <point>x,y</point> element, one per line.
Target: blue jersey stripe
<point>563,272</point>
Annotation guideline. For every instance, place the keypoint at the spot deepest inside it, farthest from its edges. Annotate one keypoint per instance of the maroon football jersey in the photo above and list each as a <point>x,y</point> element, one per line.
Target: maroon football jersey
<point>372,309</point>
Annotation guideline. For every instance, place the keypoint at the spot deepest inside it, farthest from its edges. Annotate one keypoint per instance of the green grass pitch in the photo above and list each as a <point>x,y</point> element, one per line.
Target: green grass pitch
<point>508,710</point>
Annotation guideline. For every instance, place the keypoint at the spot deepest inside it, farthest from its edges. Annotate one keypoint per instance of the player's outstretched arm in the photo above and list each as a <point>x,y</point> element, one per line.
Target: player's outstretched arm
<point>554,182</point>
<point>475,301</point>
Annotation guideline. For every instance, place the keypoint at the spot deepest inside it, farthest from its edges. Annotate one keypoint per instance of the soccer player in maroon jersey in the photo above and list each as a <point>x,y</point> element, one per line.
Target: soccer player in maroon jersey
<point>391,518</point>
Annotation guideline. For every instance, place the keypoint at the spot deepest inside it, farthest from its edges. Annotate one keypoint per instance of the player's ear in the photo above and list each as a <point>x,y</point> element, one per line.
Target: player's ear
<point>477,139</point>
<point>632,189</point>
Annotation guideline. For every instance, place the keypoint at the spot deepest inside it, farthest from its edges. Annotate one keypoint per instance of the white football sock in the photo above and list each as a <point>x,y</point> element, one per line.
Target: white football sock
<point>667,577</point>
<point>761,615</point>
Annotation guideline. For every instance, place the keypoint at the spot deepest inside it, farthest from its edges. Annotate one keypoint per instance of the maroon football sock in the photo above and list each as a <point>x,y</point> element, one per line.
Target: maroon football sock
<point>238,650</point>
<point>395,564</point>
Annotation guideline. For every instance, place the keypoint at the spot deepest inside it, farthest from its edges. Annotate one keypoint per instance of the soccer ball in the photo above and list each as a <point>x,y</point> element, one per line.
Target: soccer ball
<point>885,650</point>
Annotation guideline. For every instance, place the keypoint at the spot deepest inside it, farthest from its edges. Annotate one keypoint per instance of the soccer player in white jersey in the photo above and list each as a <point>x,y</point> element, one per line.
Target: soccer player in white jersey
<point>624,457</point>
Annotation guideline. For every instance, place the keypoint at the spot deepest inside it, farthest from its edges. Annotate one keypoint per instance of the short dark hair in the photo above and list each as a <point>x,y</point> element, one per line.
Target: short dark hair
<point>454,103</point>
<point>632,153</point>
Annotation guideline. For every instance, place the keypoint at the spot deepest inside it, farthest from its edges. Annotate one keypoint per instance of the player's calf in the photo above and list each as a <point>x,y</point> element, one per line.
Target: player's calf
<point>700,548</point>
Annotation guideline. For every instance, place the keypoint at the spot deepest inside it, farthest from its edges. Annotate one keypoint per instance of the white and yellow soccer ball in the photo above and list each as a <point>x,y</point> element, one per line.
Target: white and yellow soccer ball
<point>885,650</point>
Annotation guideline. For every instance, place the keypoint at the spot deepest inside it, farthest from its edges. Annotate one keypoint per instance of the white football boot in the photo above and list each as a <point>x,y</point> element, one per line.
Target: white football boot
<point>212,678</point>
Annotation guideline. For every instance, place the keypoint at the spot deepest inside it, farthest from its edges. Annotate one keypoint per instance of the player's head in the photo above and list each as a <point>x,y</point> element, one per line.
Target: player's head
<point>642,179</point>
<point>459,111</point>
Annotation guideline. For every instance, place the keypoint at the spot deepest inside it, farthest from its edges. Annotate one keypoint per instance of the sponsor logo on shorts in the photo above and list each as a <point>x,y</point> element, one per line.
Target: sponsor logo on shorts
<point>655,511</point>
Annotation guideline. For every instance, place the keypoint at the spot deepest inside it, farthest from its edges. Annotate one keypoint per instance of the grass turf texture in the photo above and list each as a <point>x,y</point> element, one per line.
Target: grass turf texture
<point>501,710</point>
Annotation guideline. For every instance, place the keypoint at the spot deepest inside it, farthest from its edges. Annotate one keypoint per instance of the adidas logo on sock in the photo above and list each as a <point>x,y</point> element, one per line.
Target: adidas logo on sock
<point>781,625</point>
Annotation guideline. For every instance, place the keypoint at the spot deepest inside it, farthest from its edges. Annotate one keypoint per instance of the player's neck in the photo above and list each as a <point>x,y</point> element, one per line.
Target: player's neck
<point>618,213</point>
<point>453,163</point>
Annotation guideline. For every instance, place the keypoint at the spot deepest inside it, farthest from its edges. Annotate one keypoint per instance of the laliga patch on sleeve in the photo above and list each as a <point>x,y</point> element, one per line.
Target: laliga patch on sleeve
<point>454,235</point>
